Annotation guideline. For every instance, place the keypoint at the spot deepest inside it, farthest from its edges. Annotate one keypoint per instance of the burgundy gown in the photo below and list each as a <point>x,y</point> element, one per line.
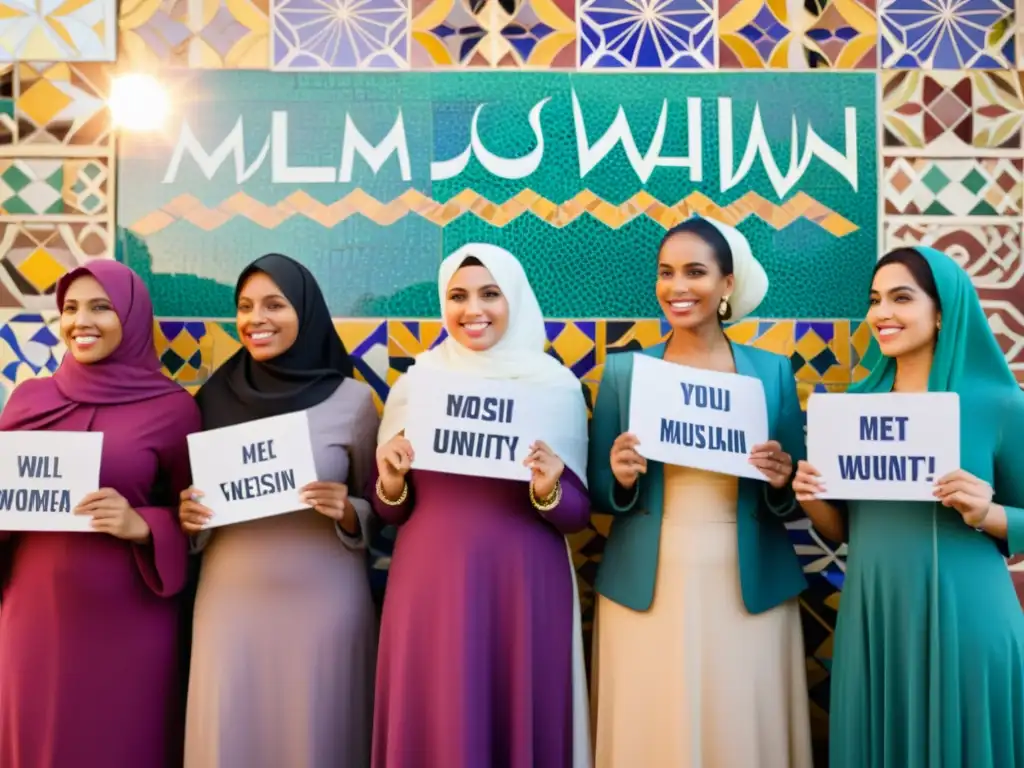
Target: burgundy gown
<point>474,668</point>
<point>89,656</point>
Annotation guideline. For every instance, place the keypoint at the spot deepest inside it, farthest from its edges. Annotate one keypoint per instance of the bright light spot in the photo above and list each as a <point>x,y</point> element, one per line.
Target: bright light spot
<point>138,103</point>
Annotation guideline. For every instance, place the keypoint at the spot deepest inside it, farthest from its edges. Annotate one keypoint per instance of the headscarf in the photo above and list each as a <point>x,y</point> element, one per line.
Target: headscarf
<point>304,375</point>
<point>518,355</point>
<point>131,373</point>
<point>749,278</point>
<point>967,358</point>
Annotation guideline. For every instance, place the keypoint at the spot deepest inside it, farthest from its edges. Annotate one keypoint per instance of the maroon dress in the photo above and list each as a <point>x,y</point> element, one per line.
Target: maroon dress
<point>475,661</point>
<point>89,656</point>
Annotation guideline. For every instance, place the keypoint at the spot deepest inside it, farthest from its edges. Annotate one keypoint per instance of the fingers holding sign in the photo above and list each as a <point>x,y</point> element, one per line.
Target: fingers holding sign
<point>967,494</point>
<point>192,514</point>
<point>773,462</point>
<point>546,467</point>
<point>627,463</point>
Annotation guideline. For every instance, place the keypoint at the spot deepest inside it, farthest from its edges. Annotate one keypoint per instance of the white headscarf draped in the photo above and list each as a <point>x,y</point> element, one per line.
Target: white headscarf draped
<point>751,281</point>
<point>519,355</point>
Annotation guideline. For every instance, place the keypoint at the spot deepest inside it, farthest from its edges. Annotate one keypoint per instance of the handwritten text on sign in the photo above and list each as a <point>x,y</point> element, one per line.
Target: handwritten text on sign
<point>696,418</point>
<point>884,447</point>
<point>44,476</point>
<point>481,427</point>
<point>253,470</point>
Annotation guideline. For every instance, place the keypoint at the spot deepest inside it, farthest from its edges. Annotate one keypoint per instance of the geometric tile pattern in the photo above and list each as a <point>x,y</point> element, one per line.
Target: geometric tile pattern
<point>814,34</point>
<point>36,254</point>
<point>954,187</point>
<point>647,34</point>
<point>63,104</point>
<point>340,34</point>
<point>948,34</point>
<point>191,209</point>
<point>952,112</point>
<point>53,31</point>
<point>496,33</point>
<point>201,34</point>
<point>42,186</point>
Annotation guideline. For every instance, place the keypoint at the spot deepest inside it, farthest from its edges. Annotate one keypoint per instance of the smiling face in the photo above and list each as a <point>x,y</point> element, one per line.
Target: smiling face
<point>89,325</point>
<point>267,322</point>
<point>902,316</point>
<point>690,283</point>
<point>475,309</point>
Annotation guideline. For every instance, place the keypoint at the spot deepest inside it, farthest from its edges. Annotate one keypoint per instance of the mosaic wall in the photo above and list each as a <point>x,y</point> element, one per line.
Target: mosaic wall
<point>949,159</point>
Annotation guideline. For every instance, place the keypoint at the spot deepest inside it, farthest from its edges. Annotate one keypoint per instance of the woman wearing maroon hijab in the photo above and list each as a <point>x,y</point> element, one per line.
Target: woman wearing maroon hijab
<point>89,657</point>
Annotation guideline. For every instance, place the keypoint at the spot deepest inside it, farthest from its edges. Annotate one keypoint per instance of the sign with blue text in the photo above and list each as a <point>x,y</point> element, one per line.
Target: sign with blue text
<point>691,417</point>
<point>45,474</point>
<point>884,447</point>
<point>253,470</point>
<point>483,427</point>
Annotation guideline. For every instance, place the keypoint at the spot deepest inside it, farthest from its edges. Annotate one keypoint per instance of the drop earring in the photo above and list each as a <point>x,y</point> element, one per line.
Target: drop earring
<point>723,307</point>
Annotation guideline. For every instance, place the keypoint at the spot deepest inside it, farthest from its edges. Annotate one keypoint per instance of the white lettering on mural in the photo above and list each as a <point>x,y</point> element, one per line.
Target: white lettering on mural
<point>590,154</point>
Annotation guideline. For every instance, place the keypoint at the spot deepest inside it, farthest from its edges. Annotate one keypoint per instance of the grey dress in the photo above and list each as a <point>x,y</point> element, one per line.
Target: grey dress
<point>284,633</point>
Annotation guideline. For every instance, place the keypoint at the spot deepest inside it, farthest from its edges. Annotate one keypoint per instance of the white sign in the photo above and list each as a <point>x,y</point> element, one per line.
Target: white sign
<point>252,470</point>
<point>691,417</point>
<point>44,475</point>
<point>883,447</point>
<point>482,427</point>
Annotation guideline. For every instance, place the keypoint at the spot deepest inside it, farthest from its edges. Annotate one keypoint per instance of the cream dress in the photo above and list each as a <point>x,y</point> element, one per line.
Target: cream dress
<point>696,681</point>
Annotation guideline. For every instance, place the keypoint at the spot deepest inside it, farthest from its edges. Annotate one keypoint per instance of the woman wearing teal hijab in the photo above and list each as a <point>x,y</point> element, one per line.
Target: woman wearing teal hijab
<point>928,664</point>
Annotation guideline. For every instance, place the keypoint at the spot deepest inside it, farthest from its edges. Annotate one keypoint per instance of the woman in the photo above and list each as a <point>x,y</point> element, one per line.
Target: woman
<point>89,657</point>
<point>284,627</point>
<point>928,665</point>
<point>699,658</point>
<point>481,657</point>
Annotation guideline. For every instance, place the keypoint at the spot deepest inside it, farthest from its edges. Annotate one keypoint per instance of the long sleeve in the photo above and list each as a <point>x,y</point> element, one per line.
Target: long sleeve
<point>1009,479</point>
<point>605,425</point>
<point>573,511</point>
<point>391,514</point>
<point>362,453</point>
<point>163,560</point>
<point>789,431</point>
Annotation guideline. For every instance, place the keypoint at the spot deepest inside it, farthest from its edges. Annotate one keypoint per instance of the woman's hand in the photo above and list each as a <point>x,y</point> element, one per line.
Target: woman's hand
<point>111,513</point>
<point>191,514</point>
<point>394,458</point>
<point>546,468</point>
<point>627,464</point>
<point>807,483</point>
<point>967,494</point>
<point>331,500</point>
<point>773,462</point>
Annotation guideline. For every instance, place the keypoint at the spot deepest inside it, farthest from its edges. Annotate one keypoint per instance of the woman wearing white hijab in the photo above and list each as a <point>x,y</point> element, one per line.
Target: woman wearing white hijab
<point>698,655</point>
<point>481,657</point>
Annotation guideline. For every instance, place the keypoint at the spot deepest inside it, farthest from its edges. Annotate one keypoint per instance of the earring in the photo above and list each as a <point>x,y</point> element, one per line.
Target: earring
<point>723,306</point>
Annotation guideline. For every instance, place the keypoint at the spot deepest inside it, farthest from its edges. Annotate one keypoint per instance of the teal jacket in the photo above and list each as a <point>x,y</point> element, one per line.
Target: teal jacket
<point>770,571</point>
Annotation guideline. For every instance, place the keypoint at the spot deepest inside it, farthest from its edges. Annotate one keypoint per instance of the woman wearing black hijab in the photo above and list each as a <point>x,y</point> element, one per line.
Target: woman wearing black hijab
<point>283,644</point>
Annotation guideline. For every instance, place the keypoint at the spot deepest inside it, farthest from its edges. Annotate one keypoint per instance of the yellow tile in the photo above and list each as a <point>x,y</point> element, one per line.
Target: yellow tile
<point>41,269</point>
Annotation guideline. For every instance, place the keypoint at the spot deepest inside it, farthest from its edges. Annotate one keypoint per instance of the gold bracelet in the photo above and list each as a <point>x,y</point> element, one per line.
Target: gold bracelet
<point>546,505</point>
<point>386,500</point>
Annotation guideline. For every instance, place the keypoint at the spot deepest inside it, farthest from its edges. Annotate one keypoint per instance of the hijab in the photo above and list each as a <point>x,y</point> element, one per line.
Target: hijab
<point>519,355</point>
<point>306,374</point>
<point>750,280</point>
<point>130,374</point>
<point>967,358</point>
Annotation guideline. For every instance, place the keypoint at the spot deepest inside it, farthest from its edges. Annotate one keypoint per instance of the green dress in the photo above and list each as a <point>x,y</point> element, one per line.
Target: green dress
<point>928,664</point>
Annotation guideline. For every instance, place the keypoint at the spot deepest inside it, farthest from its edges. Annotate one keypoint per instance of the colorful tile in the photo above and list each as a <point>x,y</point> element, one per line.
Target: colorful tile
<point>63,104</point>
<point>493,33</point>
<point>954,187</point>
<point>322,35</point>
<point>948,34</point>
<point>786,34</point>
<point>199,34</point>
<point>1007,323</point>
<point>647,34</point>
<point>990,253</point>
<point>51,31</point>
<point>30,346</point>
<point>950,112</point>
<point>185,349</point>
<point>48,186</point>
<point>367,343</point>
<point>36,254</point>
<point>8,123</point>
<point>406,339</point>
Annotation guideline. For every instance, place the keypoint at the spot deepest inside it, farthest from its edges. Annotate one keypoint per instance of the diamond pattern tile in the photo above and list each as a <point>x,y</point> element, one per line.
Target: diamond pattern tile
<point>954,187</point>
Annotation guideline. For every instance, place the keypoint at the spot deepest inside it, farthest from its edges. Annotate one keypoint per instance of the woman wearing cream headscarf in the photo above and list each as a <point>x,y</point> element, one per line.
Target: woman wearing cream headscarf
<point>481,657</point>
<point>698,655</point>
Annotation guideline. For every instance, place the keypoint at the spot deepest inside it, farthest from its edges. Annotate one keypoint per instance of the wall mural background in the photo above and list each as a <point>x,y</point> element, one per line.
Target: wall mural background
<point>939,114</point>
